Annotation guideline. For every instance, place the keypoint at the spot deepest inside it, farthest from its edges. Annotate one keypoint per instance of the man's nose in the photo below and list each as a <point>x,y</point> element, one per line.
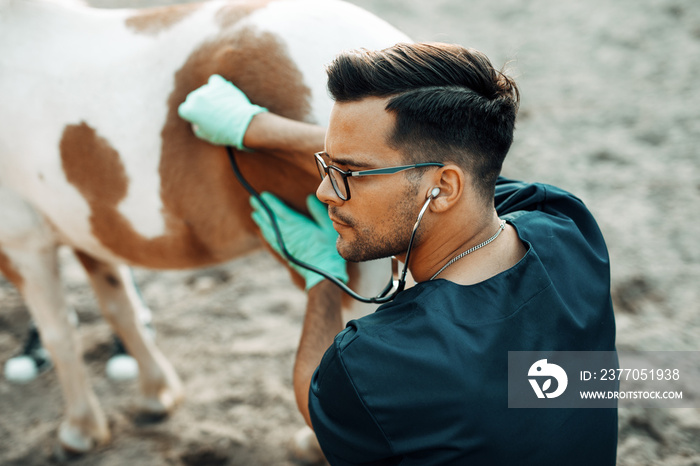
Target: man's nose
<point>327,194</point>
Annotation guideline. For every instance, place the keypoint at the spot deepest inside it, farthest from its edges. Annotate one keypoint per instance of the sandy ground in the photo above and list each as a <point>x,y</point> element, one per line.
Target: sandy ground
<point>610,111</point>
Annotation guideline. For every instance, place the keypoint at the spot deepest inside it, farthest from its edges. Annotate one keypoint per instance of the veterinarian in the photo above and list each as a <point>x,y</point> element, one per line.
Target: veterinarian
<point>499,265</point>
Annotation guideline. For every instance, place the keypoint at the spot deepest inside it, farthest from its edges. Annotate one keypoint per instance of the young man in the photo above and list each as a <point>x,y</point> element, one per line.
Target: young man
<point>499,266</point>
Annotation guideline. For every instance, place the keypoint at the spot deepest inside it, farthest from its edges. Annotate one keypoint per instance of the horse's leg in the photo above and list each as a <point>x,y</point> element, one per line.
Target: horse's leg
<point>123,308</point>
<point>121,365</point>
<point>34,359</point>
<point>28,258</point>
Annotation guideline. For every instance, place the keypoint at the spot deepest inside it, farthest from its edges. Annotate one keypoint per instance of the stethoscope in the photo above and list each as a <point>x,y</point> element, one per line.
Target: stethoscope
<point>397,283</point>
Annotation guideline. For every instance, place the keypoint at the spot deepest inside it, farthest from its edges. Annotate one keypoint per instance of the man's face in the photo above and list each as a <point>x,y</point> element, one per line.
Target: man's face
<point>377,220</point>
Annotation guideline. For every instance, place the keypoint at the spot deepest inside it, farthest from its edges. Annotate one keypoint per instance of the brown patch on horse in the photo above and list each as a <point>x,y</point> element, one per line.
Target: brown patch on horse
<point>10,272</point>
<point>197,180</point>
<point>93,166</point>
<point>152,21</point>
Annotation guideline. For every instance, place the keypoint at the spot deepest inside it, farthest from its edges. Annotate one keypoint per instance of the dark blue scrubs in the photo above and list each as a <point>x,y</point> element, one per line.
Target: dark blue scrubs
<point>423,380</point>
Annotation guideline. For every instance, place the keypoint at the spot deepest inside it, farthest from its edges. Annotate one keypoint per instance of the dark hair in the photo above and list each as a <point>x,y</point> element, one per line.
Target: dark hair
<point>450,103</point>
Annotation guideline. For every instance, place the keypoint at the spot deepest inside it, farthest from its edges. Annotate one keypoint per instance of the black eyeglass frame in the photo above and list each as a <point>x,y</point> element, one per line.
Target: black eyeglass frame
<point>324,170</point>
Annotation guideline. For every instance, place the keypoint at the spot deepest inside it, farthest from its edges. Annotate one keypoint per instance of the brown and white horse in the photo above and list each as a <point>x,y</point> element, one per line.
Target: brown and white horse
<point>94,156</point>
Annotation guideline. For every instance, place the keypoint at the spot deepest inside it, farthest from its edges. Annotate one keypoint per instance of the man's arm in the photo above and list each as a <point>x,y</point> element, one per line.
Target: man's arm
<point>322,323</point>
<point>221,114</point>
<point>285,138</point>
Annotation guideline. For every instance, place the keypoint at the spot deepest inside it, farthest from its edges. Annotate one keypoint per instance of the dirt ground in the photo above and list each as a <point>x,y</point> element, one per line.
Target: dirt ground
<point>610,111</point>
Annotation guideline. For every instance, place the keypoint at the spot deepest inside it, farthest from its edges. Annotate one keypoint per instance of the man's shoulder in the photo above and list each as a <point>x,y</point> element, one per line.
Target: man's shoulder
<point>545,202</point>
<point>556,223</point>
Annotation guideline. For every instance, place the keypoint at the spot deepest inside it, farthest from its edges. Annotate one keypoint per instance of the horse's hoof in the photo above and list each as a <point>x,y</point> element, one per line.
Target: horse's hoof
<point>27,366</point>
<point>74,442</point>
<point>122,367</point>
<point>21,369</point>
<point>61,455</point>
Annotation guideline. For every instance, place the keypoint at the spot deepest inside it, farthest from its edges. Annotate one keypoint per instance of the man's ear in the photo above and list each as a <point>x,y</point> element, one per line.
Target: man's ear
<point>451,180</point>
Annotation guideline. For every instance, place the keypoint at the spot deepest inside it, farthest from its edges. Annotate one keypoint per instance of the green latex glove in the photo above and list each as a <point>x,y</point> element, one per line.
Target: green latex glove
<point>220,112</point>
<point>310,241</point>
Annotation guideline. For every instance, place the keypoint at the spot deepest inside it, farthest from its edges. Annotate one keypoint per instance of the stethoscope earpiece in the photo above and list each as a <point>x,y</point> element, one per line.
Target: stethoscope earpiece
<point>434,193</point>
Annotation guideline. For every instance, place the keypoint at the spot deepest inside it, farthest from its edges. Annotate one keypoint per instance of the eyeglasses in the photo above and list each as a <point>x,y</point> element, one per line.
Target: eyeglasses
<point>339,178</point>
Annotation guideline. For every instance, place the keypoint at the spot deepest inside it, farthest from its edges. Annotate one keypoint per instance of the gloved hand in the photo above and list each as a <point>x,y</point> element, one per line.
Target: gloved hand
<point>220,112</point>
<point>310,241</point>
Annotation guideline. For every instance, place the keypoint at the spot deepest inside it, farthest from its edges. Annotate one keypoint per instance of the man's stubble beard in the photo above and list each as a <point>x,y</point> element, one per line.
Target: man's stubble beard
<point>369,245</point>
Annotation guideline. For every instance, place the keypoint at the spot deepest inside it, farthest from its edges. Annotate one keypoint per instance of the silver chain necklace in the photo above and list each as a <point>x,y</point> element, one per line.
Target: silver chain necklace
<point>472,249</point>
